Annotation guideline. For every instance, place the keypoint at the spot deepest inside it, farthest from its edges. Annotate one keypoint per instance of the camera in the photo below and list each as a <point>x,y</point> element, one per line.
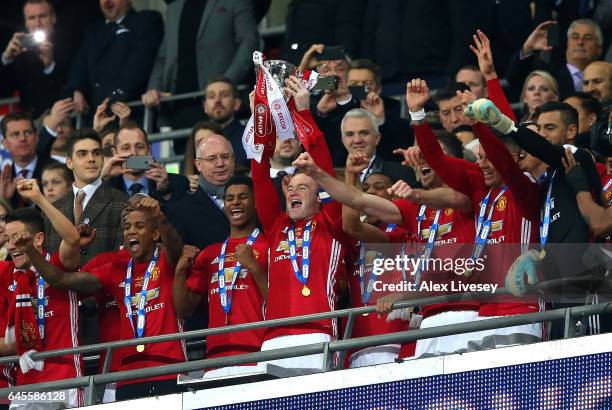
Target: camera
<point>32,40</point>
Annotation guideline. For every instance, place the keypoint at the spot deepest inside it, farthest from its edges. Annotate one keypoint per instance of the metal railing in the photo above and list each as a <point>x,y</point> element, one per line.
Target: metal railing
<point>93,382</point>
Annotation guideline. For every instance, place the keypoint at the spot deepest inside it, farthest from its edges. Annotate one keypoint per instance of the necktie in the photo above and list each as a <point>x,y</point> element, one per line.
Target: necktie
<point>281,174</point>
<point>78,206</point>
<point>24,173</point>
<point>135,188</point>
<point>578,80</point>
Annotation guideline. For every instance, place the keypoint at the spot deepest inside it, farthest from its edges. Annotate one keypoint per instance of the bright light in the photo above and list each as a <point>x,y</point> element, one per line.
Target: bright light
<point>39,36</point>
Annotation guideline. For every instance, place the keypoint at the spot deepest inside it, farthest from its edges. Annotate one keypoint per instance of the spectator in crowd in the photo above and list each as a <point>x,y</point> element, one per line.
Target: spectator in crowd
<point>90,201</point>
<point>203,40</point>
<point>589,110</point>
<point>221,104</point>
<point>392,29</point>
<point>126,38</point>
<point>58,126</point>
<point>453,120</point>
<point>200,130</point>
<point>142,229</point>
<point>215,164</point>
<point>243,259</point>
<point>598,81</point>
<point>540,87</point>
<point>35,63</point>
<point>584,42</point>
<point>336,24</point>
<point>155,181</point>
<point>20,139</point>
<point>471,76</point>
<point>120,115</point>
<point>5,208</point>
<point>107,136</point>
<point>360,133</point>
<point>56,181</point>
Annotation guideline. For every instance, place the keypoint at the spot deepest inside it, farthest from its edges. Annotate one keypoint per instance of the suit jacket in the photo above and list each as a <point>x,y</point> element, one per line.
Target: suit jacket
<point>104,213</point>
<point>179,186</point>
<point>198,220</point>
<point>394,170</point>
<point>117,56</point>
<point>37,90</point>
<point>226,39</point>
<point>40,165</point>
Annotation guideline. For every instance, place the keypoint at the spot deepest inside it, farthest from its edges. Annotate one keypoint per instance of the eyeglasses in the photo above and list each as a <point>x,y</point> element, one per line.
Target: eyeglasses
<point>211,159</point>
<point>2,218</point>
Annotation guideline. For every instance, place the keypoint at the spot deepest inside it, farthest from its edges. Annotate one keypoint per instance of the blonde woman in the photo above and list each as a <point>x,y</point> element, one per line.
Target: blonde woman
<point>539,87</point>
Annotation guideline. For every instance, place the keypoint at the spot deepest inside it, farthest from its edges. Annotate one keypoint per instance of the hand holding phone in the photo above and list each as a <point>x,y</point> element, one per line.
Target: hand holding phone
<point>359,92</point>
<point>332,53</point>
<point>116,96</point>
<point>139,162</point>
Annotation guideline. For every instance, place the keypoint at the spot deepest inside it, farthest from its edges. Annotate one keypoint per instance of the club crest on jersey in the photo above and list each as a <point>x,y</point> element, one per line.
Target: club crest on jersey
<point>448,211</point>
<point>501,204</point>
<point>155,273</point>
<point>229,273</point>
<point>151,294</point>
<point>442,230</point>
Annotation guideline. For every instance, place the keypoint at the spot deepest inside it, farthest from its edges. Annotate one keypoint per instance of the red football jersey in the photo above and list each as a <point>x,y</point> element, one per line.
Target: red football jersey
<point>285,297</point>
<point>7,372</point>
<point>61,327</point>
<point>453,240</point>
<point>108,310</point>
<point>247,302</point>
<point>160,315</point>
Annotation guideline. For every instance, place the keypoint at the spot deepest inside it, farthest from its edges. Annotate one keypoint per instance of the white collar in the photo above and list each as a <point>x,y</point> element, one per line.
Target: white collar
<point>89,189</point>
<point>30,167</point>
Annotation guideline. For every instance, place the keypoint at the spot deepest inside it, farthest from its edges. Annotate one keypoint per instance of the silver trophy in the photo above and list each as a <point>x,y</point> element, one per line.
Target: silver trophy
<point>281,70</point>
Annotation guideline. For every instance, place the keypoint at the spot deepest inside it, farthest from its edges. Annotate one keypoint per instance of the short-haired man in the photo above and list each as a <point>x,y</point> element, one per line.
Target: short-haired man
<point>471,76</point>
<point>452,118</point>
<point>21,141</point>
<point>598,81</point>
<point>584,45</point>
<point>242,259</point>
<point>131,140</point>
<point>360,133</point>
<point>215,164</point>
<point>221,103</point>
<point>90,201</point>
<point>35,64</point>
<point>589,110</point>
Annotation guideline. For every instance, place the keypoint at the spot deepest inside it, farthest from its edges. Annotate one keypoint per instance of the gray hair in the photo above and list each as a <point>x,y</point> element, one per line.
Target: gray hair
<point>587,22</point>
<point>360,113</point>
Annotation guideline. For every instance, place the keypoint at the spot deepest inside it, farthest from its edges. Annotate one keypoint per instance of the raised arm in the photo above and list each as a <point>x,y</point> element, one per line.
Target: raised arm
<point>82,282</point>
<point>378,207</point>
<point>185,301</point>
<point>69,250</point>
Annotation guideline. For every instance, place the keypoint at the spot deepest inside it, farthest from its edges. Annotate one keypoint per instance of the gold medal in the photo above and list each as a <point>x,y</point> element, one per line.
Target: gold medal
<point>140,348</point>
<point>305,291</point>
<point>542,254</point>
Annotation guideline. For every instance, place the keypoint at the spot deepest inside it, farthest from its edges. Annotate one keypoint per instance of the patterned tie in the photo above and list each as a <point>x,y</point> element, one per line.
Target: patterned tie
<point>135,188</point>
<point>78,206</point>
<point>578,80</point>
<point>24,173</point>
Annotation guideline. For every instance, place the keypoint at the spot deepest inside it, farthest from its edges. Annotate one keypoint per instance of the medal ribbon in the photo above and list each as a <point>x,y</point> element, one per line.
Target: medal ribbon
<point>142,301</point>
<point>431,240</point>
<point>224,296</point>
<point>301,275</point>
<point>545,221</point>
<point>483,227</point>
<point>40,301</point>
<point>605,189</point>
<point>366,291</point>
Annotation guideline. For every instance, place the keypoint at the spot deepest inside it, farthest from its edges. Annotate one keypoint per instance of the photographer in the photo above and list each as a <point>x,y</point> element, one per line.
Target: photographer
<point>32,63</point>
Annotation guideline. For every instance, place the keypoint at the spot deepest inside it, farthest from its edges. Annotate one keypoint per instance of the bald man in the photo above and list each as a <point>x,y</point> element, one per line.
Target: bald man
<point>598,81</point>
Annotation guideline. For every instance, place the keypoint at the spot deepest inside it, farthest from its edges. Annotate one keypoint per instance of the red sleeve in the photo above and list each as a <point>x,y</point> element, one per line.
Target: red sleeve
<point>267,202</point>
<point>497,95</point>
<point>197,282</point>
<point>105,274</point>
<point>602,170</point>
<point>517,182</point>
<point>316,144</point>
<point>461,175</point>
<point>57,261</point>
<point>409,211</point>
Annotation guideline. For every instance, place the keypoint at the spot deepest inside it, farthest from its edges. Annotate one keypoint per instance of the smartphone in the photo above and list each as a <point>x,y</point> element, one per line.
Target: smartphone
<point>332,53</point>
<point>28,41</point>
<point>553,35</point>
<point>116,96</point>
<point>139,162</point>
<point>359,92</point>
<point>326,83</point>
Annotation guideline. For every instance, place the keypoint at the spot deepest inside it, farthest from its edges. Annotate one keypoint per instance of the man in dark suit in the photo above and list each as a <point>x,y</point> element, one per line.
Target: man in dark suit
<point>37,69</point>
<point>21,141</point>
<point>115,54</point>
<point>90,201</point>
<point>360,133</point>
<point>584,45</point>
<point>199,218</point>
<point>132,140</point>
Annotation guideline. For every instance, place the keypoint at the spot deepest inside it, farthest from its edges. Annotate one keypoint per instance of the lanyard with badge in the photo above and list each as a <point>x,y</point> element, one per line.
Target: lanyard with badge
<point>431,240</point>
<point>41,301</point>
<point>366,291</point>
<point>605,189</point>
<point>142,300</point>
<point>301,275</point>
<point>545,221</point>
<point>224,296</point>
<point>483,227</point>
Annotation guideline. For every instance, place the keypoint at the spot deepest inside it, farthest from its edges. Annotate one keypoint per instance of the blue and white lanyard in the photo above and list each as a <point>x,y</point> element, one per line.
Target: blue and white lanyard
<point>483,227</point>
<point>40,302</point>
<point>225,298</point>
<point>605,189</point>
<point>301,275</point>
<point>431,240</point>
<point>545,221</point>
<point>366,291</point>
<point>142,301</point>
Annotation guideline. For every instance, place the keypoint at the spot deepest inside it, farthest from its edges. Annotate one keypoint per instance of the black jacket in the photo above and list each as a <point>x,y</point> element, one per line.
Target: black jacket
<point>179,186</point>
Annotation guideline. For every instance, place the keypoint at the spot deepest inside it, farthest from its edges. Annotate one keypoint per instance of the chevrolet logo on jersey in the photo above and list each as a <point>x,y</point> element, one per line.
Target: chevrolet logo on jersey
<point>442,230</point>
<point>151,294</point>
<point>229,273</point>
<point>283,246</point>
<point>497,225</point>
